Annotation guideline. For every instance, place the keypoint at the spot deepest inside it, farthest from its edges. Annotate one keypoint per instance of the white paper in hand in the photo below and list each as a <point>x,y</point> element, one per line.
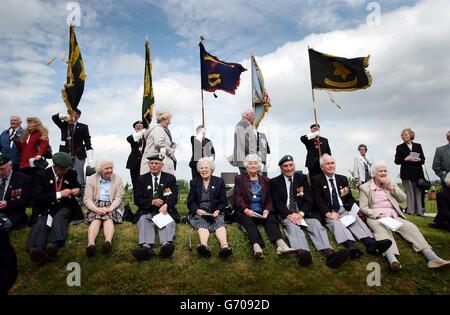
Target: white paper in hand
<point>391,223</point>
<point>303,222</point>
<point>354,211</point>
<point>49,221</point>
<point>257,215</point>
<point>348,220</point>
<point>161,220</point>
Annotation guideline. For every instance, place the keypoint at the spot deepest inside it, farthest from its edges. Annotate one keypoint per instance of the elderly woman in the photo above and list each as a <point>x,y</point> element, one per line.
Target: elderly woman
<point>103,199</point>
<point>206,203</point>
<point>361,166</point>
<point>410,156</point>
<point>158,140</point>
<point>251,199</point>
<point>380,198</point>
<point>33,144</point>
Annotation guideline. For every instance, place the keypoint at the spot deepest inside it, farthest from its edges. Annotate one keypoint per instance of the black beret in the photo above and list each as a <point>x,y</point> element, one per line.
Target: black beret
<point>155,157</point>
<point>76,110</point>
<point>137,122</point>
<point>4,159</point>
<point>285,159</point>
<point>62,159</point>
<point>313,125</point>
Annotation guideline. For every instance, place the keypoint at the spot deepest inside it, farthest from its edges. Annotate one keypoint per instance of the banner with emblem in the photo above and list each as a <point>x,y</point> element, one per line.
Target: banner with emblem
<point>260,97</point>
<point>217,74</point>
<point>74,87</point>
<point>148,100</point>
<point>338,74</point>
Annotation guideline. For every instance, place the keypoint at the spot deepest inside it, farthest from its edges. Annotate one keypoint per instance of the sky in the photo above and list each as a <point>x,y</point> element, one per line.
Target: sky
<point>407,42</point>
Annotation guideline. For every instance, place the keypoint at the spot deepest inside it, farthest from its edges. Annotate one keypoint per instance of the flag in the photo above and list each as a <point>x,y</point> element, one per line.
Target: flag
<point>338,74</point>
<point>217,74</point>
<point>148,100</point>
<point>73,89</point>
<point>260,97</point>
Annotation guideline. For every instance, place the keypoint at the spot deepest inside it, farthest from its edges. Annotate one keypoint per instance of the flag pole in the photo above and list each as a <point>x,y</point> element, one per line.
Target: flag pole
<point>203,105</point>
<point>314,109</point>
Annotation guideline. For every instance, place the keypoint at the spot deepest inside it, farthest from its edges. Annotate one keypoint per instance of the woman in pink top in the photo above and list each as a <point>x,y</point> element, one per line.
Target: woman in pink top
<point>380,198</point>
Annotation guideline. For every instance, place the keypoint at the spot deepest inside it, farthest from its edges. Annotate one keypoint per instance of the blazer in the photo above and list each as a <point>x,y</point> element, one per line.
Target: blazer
<point>321,193</point>
<point>200,150</point>
<point>359,171</point>
<point>134,159</point>
<point>366,200</point>
<point>279,194</point>
<point>217,194</point>
<point>18,197</point>
<point>243,191</point>
<point>43,196</point>
<point>441,161</point>
<point>157,138</point>
<point>409,170</point>
<point>35,146</point>
<point>244,143</point>
<point>6,148</point>
<point>144,195</point>
<point>81,138</point>
<point>312,155</point>
<point>92,192</point>
<point>443,204</point>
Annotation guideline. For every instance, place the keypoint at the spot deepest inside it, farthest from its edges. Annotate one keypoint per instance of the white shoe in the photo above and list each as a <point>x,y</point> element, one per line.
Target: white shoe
<point>438,263</point>
<point>281,250</point>
<point>257,251</point>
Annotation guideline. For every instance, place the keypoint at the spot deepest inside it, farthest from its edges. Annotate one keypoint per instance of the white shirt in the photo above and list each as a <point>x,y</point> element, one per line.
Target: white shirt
<point>341,204</point>
<point>58,194</point>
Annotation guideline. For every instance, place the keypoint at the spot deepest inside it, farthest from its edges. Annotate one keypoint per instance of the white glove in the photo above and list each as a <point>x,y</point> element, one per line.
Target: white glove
<point>90,158</point>
<point>312,135</point>
<point>138,135</point>
<point>201,134</point>
<point>63,117</point>
<point>31,162</point>
<point>162,152</point>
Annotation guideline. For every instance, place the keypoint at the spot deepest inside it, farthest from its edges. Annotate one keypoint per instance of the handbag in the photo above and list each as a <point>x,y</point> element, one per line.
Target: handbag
<point>423,183</point>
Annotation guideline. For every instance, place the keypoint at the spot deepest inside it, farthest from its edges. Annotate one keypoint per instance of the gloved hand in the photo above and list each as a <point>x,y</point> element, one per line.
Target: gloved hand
<point>201,134</point>
<point>63,117</point>
<point>163,152</point>
<point>312,135</point>
<point>90,158</point>
<point>138,135</point>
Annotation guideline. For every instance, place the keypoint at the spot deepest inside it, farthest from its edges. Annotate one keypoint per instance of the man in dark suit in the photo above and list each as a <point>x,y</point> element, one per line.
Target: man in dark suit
<point>293,202</point>
<point>441,160</point>
<point>201,147</point>
<point>8,264</point>
<point>442,219</point>
<point>53,201</point>
<point>334,201</point>
<point>157,193</point>
<point>75,140</point>
<point>8,139</point>
<point>15,195</point>
<point>137,142</point>
<point>312,157</point>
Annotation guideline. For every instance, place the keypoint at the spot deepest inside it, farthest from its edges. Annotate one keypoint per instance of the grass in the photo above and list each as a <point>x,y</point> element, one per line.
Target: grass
<point>186,273</point>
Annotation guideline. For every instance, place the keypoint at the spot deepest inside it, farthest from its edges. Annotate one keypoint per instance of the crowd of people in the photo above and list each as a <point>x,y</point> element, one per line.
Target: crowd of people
<point>298,204</point>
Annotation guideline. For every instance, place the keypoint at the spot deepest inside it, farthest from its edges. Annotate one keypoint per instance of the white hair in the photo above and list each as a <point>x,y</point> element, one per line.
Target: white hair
<point>101,163</point>
<point>162,115</point>
<point>206,160</point>
<point>447,179</point>
<point>15,116</point>
<point>253,158</point>
<point>247,111</point>
<point>376,166</point>
<point>326,155</point>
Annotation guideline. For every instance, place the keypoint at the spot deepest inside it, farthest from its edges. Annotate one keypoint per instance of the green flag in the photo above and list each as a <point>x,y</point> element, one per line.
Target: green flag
<point>148,101</point>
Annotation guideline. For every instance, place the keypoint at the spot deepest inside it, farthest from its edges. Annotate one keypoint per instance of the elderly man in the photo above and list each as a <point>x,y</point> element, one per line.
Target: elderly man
<point>54,204</point>
<point>245,140</point>
<point>137,142</point>
<point>334,201</point>
<point>293,202</point>
<point>441,161</point>
<point>157,193</point>
<point>8,138</point>
<point>442,219</point>
<point>312,157</point>
<point>15,195</point>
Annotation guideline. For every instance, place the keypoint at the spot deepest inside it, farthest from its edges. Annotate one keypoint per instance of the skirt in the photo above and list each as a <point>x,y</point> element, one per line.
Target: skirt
<point>210,223</point>
<point>114,215</point>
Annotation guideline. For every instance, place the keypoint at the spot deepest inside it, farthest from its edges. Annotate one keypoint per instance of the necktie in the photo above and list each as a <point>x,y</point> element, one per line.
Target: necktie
<point>292,202</point>
<point>155,186</point>
<point>2,188</point>
<point>334,200</point>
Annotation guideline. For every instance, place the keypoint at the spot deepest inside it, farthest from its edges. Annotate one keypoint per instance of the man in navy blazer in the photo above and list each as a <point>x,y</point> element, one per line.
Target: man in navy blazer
<point>333,199</point>
<point>293,202</point>
<point>15,195</point>
<point>312,155</point>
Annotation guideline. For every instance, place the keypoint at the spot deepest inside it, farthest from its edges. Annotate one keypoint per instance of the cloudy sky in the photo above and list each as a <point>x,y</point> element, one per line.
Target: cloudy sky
<point>407,42</point>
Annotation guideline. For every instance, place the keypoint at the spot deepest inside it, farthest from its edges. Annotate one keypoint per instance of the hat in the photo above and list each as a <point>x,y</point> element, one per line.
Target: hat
<point>153,157</point>
<point>137,122</point>
<point>4,159</point>
<point>285,159</point>
<point>314,125</point>
<point>76,110</point>
<point>62,159</point>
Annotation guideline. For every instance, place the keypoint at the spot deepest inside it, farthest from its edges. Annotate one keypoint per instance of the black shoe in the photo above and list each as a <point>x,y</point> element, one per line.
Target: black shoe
<point>107,247</point>
<point>37,257</point>
<point>143,253</point>
<point>90,251</point>
<point>203,250</point>
<point>166,250</point>
<point>304,257</point>
<point>336,259</point>
<point>76,222</point>
<point>225,252</point>
<point>355,253</point>
<point>51,251</point>
<point>442,226</point>
<point>379,247</point>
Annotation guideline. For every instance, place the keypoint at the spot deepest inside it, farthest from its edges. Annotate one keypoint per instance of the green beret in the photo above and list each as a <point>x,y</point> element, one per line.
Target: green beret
<point>153,157</point>
<point>62,159</point>
<point>4,159</point>
<point>285,159</point>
